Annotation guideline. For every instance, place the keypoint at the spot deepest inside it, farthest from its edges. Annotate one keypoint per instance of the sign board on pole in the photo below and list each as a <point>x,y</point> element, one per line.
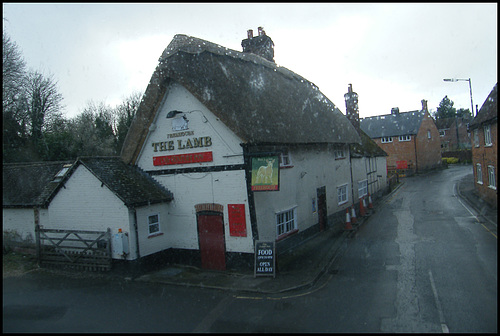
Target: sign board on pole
<point>265,259</point>
<point>265,173</point>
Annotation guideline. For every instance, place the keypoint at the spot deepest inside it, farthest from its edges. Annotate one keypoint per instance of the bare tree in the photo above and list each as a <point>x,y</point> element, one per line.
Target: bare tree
<point>93,130</point>
<point>13,101</point>
<point>124,114</point>
<point>44,102</point>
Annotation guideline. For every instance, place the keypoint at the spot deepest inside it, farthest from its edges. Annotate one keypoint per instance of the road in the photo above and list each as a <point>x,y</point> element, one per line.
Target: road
<point>421,263</point>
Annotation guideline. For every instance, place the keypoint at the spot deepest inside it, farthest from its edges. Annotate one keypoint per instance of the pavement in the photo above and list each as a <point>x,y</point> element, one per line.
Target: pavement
<point>301,267</point>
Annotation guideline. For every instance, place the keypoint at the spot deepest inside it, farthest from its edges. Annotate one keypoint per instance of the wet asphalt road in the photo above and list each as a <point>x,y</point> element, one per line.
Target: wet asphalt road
<point>421,263</point>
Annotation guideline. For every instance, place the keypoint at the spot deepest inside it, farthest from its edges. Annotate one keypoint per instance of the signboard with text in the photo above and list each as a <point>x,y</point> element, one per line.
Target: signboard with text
<point>237,221</point>
<point>401,165</point>
<point>182,158</point>
<point>265,259</point>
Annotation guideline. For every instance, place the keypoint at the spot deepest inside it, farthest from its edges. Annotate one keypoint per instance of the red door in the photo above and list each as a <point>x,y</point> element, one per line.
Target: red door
<point>211,238</point>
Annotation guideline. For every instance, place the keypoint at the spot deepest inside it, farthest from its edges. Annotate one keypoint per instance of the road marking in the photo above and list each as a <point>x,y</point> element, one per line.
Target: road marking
<point>285,297</point>
<point>444,327</point>
<point>477,219</point>
<point>206,323</point>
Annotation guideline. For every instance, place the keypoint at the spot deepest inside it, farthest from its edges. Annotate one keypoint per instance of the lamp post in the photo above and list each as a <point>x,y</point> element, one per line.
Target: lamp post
<point>470,89</point>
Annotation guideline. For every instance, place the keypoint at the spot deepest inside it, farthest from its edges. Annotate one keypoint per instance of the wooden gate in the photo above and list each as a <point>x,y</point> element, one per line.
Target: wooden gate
<point>78,249</point>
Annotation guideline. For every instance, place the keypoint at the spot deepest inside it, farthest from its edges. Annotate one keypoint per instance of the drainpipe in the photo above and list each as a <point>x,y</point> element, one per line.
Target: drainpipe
<point>416,156</point>
<point>352,183</point>
<point>138,255</point>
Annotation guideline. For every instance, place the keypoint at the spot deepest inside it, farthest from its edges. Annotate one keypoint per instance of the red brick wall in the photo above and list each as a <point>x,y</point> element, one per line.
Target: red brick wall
<point>399,151</point>
<point>428,150</point>
<point>486,156</point>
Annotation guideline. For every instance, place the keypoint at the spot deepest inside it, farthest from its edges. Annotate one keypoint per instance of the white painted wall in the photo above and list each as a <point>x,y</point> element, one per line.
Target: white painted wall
<point>225,145</point>
<point>360,168</point>
<point>189,189</point>
<point>85,204</point>
<point>299,189</point>
<point>149,244</point>
<point>21,222</point>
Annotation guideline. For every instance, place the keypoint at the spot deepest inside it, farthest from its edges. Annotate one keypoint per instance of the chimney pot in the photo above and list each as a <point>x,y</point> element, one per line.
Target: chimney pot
<point>395,111</point>
<point>250,33</point>
<point>261,31</point>
<point>349,89</point>
<point>424,105</point>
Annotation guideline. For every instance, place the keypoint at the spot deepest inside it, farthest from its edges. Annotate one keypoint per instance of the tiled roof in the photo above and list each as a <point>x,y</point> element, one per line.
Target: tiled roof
<point>368,147</point>
<point>262,103</point>
<point>403,123</point>
<point>131,184</point>
<point>29,184</point>
<point>33,184</point>
<point>488,112</point>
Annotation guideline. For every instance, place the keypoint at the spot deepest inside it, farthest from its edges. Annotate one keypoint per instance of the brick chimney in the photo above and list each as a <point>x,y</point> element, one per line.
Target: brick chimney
<point>424,105</point>
<point>395,111</point>
<point>351,107</point>
<point>261,44</point>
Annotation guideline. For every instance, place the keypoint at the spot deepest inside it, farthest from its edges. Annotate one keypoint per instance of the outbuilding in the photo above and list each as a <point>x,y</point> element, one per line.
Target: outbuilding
<point>90,194</point>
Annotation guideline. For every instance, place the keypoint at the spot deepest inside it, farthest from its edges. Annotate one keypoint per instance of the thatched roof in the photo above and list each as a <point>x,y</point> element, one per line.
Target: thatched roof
<point>262,103</point>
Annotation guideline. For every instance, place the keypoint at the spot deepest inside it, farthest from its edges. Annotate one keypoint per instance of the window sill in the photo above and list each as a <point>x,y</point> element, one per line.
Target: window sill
<point>492,187</point>
<point>488,145</point>
<point>288,234</point>
<point>481,183</point>
<point>155,235</point>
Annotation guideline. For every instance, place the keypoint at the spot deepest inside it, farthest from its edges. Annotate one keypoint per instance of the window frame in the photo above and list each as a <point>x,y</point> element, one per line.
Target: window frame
<point>289,225</point>
<point>150,224</point>
<point>346,194</point>
<point>476,137</point>
<point>403,138</point>
<point>285,156</point>
<point>479,174</point>
<point>386,139</point>
<point>339,153</point>
<point>362,190</point>
<point>487,135</point>
<point>491,177</point>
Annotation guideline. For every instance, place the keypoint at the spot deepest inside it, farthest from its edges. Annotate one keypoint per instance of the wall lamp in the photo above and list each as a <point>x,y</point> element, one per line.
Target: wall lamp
<point>470,89</point>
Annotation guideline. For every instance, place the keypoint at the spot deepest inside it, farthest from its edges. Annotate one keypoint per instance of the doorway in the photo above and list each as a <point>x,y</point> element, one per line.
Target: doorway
<point>211,240</point>
<point>322,212</point>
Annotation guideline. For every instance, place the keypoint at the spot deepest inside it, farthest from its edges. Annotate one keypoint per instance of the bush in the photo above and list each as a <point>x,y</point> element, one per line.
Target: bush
<point>449,160</point>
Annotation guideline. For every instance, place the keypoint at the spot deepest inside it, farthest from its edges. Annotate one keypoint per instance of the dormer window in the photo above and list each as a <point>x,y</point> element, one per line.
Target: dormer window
<point>59,176</point>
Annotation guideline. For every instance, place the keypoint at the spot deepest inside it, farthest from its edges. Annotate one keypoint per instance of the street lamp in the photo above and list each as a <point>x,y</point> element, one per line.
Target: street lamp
<point>470,89</point>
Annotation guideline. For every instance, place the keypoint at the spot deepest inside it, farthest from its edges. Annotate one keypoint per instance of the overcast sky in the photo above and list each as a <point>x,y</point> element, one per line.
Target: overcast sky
<point>394,55</point>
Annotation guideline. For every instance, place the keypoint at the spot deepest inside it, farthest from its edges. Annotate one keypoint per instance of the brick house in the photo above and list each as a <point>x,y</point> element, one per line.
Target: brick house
<point>484,149</point>
<point>411,139</point>
<point>454,134</point>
